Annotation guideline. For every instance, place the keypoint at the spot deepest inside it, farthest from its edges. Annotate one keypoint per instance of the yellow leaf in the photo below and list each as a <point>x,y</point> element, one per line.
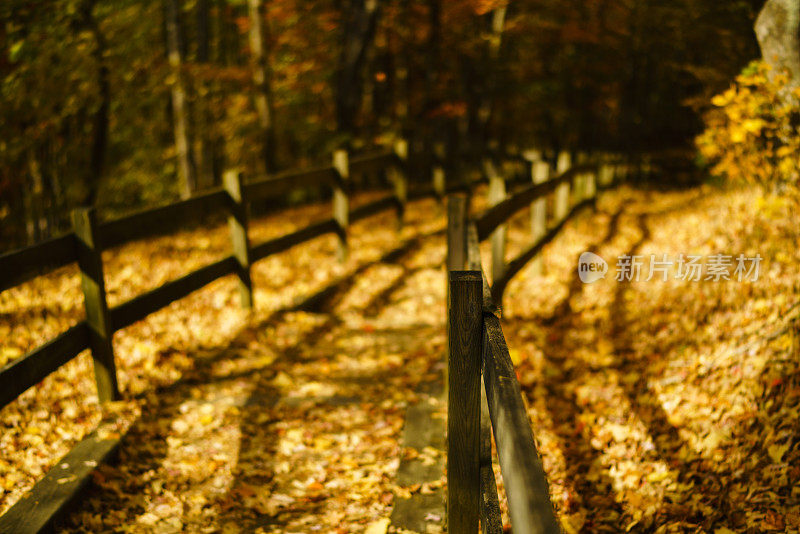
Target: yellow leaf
<point>776,452</point>
<point>658,476</point>
<point>377,527</point>
<point>719,100</point>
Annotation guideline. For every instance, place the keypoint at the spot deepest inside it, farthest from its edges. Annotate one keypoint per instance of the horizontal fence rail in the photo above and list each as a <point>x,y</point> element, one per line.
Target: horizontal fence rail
<point>19,266</point>
<point>523,475</point>
<point>19,375</point>
<point>161,220</point>
<point>140,307</point>
<point>280,184</point>
<point>282,243</point>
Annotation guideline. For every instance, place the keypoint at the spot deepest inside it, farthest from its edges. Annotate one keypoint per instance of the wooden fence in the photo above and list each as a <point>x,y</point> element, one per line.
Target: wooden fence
<point>484,395</point>
<point>90,238</point>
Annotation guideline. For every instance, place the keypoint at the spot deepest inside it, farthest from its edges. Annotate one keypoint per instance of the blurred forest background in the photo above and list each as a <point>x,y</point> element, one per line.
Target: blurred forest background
<point>128,103</point>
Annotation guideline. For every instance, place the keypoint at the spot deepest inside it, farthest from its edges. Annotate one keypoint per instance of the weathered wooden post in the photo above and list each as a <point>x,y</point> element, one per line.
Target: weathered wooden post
<point>437,172</point>
<point>399,179</point>
<point>497,193</point>
<point>580,179</point>
<point>341,204</point>
<point>463,406</point>
<point>456,232</point>
<point>90,262</point>
<point>561,205</point>
<point>540,173</point>
<point>237,222</point>
<point>606,174</point>
<point>590,185</point>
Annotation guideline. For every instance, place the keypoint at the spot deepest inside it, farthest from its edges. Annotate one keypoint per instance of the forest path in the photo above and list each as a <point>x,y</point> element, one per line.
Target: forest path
<point>654,403</point>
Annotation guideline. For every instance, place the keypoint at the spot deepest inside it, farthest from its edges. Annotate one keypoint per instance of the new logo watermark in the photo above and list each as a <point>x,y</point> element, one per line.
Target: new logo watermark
<point>591,267</point>
<point>689,268</point>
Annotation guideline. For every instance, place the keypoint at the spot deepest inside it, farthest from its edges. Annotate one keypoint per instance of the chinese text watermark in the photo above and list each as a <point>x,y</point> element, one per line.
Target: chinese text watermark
<point>661,267</point>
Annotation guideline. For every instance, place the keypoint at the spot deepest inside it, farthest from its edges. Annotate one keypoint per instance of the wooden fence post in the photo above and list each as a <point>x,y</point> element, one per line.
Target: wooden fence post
<point>579,180</point>
<point>437,172</point>
<point>590,185</point>
<point>606,174</point>
<point>399,179</point>
<point>540,173</point>
<point>341,204</point>
<point>237,221</point>
<point>562,191</point>
<point>90,262</point>
<point>497,193</point>
<point>463,407</point>
<point>456,232</point>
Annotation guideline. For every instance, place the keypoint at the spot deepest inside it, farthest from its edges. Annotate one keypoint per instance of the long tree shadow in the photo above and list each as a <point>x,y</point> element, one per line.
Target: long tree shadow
<point>587,479</point>
<point>694,472</point>
<point>352,387</point>
<point>563,308</point>
<point>587,476</point>
<point>588,484</point>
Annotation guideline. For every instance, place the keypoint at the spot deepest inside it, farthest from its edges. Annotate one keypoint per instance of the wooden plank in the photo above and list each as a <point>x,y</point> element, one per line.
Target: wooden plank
<point>237,222</point>
<point>523,475</point>
<point>424,430</point>
<point>140,307</point>
<point>341,202</point>
<point>162,220</point>
<point>19,266</point>
<point>491,518</point>
<point>280,244</point>
<point>280,184</point>
<point>53,496</point>
<point>516,265</point>
<point>19,375</point>
<point>93,284</point>
<point>372,162</point>
<point>463,402</point>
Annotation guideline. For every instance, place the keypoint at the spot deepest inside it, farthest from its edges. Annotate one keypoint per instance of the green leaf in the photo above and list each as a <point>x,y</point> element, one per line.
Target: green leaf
<point>15,51</point>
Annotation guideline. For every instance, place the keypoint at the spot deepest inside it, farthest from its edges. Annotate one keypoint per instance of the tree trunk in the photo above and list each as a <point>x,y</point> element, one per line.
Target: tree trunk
<point>100,119</point>
<point>778,31</point>
<point>360,21</point>
<point>262,80</point>
<point>186,166</point>
<point>203,145</point>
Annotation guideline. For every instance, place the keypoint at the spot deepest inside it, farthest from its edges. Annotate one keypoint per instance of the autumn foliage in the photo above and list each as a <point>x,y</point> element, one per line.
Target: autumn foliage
<point>752,133</point>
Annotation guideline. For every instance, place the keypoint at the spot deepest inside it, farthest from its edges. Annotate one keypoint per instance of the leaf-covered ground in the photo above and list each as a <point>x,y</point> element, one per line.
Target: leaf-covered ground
<point>658,406</point>
<point>666,406</point>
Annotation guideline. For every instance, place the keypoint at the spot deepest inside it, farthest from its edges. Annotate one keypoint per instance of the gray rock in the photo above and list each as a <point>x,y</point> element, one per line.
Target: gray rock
<point>778,32</point>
